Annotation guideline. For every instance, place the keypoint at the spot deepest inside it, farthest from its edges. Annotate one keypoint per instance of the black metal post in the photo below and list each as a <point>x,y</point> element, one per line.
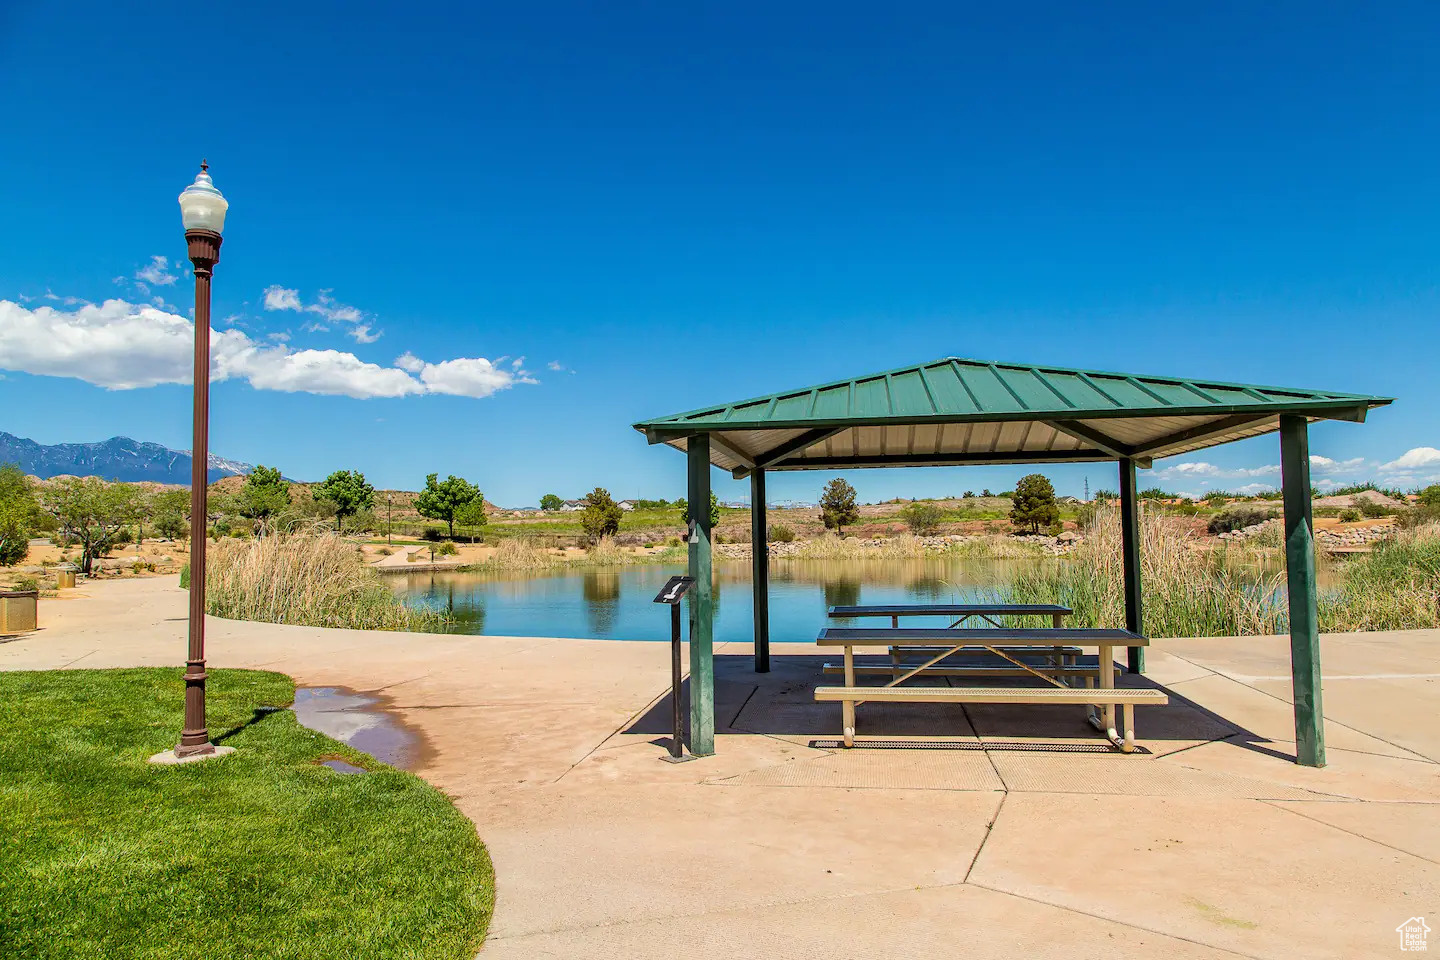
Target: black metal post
<point>677,721</point>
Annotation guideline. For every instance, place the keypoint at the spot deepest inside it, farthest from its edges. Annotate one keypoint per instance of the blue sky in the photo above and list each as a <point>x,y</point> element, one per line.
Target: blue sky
<point>662,206</point>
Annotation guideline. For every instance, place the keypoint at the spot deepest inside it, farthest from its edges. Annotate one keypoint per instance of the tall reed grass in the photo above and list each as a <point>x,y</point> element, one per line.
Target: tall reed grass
<point>306,578</point>
<point>1395,587</point>
<point>830,547</point>
<point>1187,592</point>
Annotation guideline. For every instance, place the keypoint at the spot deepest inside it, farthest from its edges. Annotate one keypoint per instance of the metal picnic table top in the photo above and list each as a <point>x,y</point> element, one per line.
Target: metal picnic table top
<point>948,609</point>
<point>951,636</point>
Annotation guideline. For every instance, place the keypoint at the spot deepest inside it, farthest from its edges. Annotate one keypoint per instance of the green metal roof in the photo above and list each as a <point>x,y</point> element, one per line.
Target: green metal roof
<point>972,411</point>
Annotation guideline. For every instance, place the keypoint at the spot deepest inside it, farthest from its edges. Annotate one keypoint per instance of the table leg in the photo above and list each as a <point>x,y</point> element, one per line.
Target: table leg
<point>1107,682</point>
<point>847,707</point>
<point>1060,665</point>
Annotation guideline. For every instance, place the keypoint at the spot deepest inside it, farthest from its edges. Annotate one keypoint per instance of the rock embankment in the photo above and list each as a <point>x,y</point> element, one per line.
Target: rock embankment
<point>1360,535</point>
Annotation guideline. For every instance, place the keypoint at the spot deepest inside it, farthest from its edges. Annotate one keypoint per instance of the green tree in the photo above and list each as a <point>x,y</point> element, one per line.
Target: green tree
<point>551,502</point>
<point>90,512</point>
<point>169,510</point>
<point>18,513</point>
<point>1033,503</point>
<point>601,516</point>
<point>441,498</point>
<point>986,492</point>
<point>837,506</point>
<point>921,516</point>
<point>1430,496</point>
<point>348,492</point>
<point>264,495</point>
<point>472,514</point>
<point>714,512</point>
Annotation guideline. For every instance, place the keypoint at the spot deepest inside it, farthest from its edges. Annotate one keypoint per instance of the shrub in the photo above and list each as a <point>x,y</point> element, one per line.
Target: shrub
<point>446,549</point>
<point>921,517</point>
<point>1374,510</point>
<point>781,533</point>
<point>601,516</point>
<point>1349,515</point>
<point>432,535</point>
<point>1237,517</point>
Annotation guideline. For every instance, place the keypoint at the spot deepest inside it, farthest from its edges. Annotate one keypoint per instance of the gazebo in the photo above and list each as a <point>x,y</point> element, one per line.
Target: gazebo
<point>956,412</point>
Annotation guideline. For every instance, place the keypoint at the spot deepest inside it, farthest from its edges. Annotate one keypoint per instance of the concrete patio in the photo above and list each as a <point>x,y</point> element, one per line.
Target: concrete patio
<point>1017,833</point>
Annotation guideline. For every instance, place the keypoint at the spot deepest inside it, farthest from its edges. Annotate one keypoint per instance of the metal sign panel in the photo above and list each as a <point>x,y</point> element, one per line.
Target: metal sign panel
<point>674,589</point>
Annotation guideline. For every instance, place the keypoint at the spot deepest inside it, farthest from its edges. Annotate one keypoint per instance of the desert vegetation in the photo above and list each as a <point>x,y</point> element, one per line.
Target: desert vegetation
<point>1234,590</point>
<point>305,578</point>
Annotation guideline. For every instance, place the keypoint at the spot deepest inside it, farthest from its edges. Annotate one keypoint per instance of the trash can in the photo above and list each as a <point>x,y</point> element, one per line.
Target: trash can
<point>17,611</point>
<point>65,576</point>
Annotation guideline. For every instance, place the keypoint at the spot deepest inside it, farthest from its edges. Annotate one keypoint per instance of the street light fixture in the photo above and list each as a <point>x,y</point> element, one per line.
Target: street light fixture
<point>202,209</point>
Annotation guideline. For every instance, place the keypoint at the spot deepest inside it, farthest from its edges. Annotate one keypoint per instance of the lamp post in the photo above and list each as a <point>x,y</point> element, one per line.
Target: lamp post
<point>202,209</point>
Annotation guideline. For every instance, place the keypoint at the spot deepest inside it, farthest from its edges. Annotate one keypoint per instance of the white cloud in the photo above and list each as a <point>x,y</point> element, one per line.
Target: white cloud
<point>1320,464</point>
<point>362,334</point>
<point>1417,458</point>
<point>475,377</point>
<point>1250,489</point>
<point>157,273</point>
<point>124,346</point>
<point>279,298</point>
<point>1200,468</point>
<point>555,365</point>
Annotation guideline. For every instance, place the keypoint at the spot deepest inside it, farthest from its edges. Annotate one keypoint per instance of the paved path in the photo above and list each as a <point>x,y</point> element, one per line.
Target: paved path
<point>1213,844</point>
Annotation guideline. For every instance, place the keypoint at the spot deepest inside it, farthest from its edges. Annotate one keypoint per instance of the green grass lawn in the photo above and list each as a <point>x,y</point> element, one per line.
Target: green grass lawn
<point>260,854</point>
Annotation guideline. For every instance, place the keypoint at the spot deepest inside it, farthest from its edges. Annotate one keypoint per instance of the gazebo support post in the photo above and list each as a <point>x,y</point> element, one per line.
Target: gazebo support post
<point>1300,577</point>
<point>702,600</point>
<point>760,569</point>
<point>1130,552</point>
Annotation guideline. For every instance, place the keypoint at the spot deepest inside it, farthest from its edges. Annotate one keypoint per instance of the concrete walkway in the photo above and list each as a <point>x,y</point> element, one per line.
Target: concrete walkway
<point>1018,836</point>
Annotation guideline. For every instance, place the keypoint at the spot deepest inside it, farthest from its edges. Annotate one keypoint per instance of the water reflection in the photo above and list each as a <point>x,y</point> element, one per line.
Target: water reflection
<point>615,602</point>
<point>600,590</point>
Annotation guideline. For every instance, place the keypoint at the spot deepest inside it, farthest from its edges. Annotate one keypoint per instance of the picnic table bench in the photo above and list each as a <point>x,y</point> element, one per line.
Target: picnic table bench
<point>1001,642</point>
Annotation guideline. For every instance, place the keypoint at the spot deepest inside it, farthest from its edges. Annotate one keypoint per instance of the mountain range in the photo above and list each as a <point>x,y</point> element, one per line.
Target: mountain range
<point>118,458</point>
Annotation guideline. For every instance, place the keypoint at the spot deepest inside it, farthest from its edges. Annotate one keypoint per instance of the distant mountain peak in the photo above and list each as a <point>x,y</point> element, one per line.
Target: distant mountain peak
<point>119,458</point>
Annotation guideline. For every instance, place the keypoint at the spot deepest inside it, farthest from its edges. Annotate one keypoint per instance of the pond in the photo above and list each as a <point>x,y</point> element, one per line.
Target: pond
<point>615,603</point>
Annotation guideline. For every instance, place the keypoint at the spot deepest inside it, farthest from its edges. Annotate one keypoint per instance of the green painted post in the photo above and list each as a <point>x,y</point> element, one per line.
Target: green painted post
<point>1300,577</point>
<point>702,601</point>
<point>760,570</point>
<point>1130,552</point>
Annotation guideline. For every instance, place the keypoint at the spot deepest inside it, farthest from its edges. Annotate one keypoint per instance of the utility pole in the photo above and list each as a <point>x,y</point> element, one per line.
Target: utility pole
<point>388,540</point>
<point>1087,489</point>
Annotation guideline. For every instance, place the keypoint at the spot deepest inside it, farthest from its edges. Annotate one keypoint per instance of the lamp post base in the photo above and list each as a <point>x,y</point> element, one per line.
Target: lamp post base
<point>170,758</point>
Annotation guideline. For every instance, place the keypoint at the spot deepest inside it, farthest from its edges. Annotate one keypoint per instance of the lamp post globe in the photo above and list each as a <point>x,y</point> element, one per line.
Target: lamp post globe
<point>202,210</point>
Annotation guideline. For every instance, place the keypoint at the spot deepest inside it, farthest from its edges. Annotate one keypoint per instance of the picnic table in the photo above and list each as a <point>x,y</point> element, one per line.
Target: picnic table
<point>1005,643</point>
<point>961,611</point>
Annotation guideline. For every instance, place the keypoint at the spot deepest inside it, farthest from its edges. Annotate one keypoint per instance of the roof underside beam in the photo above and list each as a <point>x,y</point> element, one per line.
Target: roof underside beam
<point>790,447</point>
<point>1088,434</point>
<point>1205,431</point>
<point>718,440</point>
<point>944,459</point>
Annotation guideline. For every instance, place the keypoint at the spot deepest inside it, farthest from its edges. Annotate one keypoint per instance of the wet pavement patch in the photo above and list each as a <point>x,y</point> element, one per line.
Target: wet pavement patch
<point>359,720</point>
<point>341,766</point>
